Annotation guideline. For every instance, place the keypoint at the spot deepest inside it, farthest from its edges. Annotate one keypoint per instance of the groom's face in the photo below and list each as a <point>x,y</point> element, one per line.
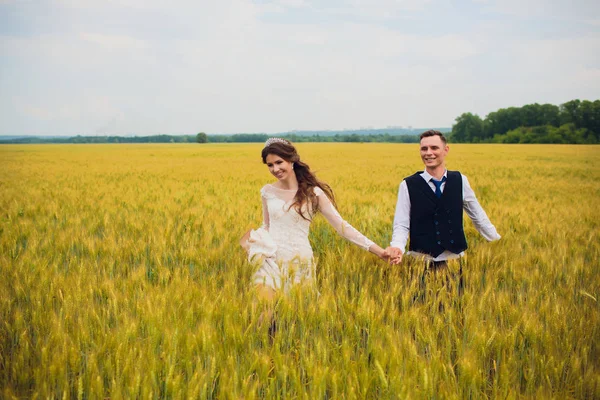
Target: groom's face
<point>433,151</point>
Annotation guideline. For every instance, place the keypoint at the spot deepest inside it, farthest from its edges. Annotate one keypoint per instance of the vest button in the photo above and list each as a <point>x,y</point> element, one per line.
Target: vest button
<point>452,241</point>
<point>450,231</point>
<point>439,242</point>
<point>437,233</point>
<point>449,221</point>
<point>436,222</point>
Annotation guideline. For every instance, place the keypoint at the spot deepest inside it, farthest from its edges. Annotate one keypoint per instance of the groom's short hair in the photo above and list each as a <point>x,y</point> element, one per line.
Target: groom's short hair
<point>432,132</point>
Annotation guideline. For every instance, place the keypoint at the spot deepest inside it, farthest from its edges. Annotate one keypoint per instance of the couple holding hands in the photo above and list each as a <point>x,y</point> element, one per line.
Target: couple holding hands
<point>429,212</point>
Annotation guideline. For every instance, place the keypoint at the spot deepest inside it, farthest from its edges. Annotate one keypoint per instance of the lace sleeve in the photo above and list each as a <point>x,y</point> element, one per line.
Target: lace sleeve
<point>339,224</point>
<point>265,210</point>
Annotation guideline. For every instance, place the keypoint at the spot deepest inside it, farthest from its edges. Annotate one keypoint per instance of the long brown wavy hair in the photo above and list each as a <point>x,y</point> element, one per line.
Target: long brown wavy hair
<point>307,180</point>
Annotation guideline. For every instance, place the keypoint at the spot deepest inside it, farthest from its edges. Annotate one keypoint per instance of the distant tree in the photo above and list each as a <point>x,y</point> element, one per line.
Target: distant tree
<point>502,121</point>
<point>569,112</point>
<point>218,138</point>
<point>595,127</point>
<point>531,115</point>
<point>201,137</point>
<point>575,121</point>
<point>589,116</point>
<point>249,138</point>
<point>468,128</point>
<point>550,115</point>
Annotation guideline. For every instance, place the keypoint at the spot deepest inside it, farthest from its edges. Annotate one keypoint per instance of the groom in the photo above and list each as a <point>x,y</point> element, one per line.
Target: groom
<point>430,209</point>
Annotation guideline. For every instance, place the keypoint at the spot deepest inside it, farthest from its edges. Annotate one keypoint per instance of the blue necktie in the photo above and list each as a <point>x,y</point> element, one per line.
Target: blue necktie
<point>438,186</point>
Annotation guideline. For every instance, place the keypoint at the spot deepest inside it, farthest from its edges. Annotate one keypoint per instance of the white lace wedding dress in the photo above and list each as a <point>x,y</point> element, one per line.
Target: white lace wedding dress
<point>282,244</point>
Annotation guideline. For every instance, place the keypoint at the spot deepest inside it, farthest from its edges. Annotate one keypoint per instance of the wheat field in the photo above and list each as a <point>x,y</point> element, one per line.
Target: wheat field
<point>123,278</point>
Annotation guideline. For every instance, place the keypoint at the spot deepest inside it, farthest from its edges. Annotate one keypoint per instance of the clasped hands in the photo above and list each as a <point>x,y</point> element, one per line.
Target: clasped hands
<point>392,255</point>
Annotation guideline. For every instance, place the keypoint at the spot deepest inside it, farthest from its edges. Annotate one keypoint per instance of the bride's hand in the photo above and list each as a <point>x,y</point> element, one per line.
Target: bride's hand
<point>394,255</point>
<point>381,253</point>
<point>244,241</point>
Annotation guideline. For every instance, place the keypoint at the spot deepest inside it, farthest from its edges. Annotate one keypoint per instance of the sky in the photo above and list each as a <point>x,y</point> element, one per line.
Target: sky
<point>145,67</point>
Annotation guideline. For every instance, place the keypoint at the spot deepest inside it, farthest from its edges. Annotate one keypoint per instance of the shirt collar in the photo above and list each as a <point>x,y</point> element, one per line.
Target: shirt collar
<point>428,177</point>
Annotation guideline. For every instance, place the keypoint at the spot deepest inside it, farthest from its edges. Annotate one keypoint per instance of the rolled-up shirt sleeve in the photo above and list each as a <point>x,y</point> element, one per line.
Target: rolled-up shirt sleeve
<point>474,210</point>
<point>401,218</point>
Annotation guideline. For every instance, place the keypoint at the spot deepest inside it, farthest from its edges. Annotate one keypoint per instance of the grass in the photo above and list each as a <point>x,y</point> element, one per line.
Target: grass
<point>123,278</point>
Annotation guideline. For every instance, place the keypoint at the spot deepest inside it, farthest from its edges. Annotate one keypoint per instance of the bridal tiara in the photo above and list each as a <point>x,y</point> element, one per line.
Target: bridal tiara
<point>276,140</point>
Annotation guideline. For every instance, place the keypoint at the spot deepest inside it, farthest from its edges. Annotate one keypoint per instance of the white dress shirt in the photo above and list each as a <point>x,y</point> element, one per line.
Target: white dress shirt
<point>470,205</point>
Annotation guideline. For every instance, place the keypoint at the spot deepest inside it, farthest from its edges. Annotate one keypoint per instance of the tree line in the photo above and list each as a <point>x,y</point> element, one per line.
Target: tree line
<point>344,138</point>
<point>102,139</point>
<point>575,122</point>
<point>204,138</point>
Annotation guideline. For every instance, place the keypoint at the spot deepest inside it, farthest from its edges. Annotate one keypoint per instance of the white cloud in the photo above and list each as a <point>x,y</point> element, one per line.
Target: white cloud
<point>545,8</point>
<point>443,49</point>
<point>292,3</point>
<point>150,67</point>
<point>377,9</point>
<point>561,63</point>
<point>114,42</point>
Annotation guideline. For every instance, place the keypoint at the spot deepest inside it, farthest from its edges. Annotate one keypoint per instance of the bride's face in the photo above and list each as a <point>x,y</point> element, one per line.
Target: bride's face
<point>280,168</point>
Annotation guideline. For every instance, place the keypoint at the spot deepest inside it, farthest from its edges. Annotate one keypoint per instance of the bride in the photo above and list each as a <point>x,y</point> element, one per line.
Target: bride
<point>289,205</point>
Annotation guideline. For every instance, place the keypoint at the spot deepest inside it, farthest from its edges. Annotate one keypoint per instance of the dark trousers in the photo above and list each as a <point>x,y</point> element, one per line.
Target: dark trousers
<point>434,270</point>
<point>438,266</point>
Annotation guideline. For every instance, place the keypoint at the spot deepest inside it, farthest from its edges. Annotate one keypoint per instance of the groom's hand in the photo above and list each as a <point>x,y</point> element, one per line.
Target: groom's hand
<point>384,256</point>
<point>395,255</point>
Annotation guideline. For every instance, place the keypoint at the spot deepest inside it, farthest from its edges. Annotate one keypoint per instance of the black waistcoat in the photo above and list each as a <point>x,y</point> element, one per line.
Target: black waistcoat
<point>436,224</point>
